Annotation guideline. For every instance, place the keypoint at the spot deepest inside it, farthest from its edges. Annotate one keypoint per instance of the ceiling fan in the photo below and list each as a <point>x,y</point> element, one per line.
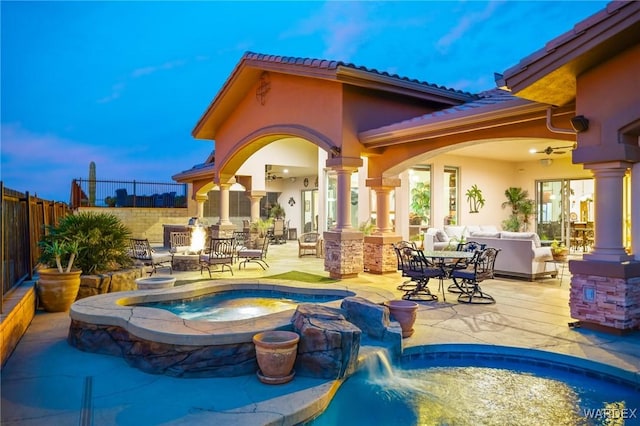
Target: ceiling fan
<point>554,150</point>
<point>269,175</point>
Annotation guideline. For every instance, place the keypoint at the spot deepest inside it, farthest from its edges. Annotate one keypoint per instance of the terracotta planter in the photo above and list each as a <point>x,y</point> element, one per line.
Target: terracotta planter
<point>57,290</point>
<point>403,311</point>
<point>276,354</point>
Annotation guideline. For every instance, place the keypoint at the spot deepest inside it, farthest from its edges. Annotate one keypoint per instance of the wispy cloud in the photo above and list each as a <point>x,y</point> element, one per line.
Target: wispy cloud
<point>466,24</point>
<point>155,68</point>
<point>344,27</point>
<point>118,88</point>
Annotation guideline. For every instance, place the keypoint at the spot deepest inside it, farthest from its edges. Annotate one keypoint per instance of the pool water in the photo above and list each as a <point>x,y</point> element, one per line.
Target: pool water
<point>487,393</point>
<point>237,304</point>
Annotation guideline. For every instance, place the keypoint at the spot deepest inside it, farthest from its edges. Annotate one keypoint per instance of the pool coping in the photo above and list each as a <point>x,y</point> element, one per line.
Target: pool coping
<point>533,356</point>
<point>153,324</point>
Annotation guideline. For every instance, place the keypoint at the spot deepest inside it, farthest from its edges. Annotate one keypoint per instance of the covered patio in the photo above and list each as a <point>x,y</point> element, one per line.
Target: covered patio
<point>527,315</point>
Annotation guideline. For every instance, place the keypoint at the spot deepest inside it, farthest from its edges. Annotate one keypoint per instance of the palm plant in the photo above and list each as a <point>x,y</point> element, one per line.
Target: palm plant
<point>102,242</point>
<point>515,197</point>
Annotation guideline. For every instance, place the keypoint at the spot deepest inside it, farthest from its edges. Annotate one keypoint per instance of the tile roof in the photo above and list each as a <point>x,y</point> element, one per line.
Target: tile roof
<point>335,65</point>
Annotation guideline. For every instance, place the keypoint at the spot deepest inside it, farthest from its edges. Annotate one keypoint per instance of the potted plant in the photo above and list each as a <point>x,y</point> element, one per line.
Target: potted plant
<point>260,228</point>
<point>93,243</point>
<point>57,286</point>
<point>475,199</point>
<point>521,208</point>
<point>559,251</point>
<point>277,211</point>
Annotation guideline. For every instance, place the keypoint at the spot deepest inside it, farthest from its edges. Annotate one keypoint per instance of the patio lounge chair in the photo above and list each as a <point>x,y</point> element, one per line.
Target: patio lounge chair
<point>142,252</point>
<point>221,253</point>
<point>255,255</point>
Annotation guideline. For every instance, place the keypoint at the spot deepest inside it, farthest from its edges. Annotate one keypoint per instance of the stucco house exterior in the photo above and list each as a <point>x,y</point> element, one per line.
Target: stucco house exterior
<point>357,138</point>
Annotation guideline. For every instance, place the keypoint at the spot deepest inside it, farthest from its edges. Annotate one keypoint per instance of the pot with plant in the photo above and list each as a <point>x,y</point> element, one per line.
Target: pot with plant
<point>99,243</point>
<point>559,251</point>
<point>57,287</point>
<point>420,203</point>
<point>260,228</point>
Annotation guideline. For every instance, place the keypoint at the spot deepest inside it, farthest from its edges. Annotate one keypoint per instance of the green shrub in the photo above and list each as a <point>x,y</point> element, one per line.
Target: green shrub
<point>103,241</point>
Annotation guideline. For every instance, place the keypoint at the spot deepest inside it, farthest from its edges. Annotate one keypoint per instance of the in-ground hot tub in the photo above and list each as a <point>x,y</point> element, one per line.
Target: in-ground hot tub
<point>160,342</point>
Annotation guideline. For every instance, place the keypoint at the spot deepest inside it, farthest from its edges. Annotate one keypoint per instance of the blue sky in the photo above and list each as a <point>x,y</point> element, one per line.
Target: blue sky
<point>124,83</point>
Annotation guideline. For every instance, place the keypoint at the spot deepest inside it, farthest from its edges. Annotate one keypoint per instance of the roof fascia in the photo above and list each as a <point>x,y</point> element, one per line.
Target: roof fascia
<point>410,88</point>
<point>505,113</point>
<point>191,175</point>
<point>573,46</point>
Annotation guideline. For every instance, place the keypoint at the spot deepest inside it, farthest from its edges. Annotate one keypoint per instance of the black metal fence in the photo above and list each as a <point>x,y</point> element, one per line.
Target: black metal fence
<point>23,224</point>
<point>113,193</point>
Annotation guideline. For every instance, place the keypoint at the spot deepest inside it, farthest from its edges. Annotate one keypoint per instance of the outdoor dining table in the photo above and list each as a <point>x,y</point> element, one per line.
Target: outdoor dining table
<point>446,260</point>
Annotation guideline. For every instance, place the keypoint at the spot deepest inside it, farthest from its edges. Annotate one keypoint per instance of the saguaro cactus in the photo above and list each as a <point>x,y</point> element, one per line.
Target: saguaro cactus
<point>92,184</point>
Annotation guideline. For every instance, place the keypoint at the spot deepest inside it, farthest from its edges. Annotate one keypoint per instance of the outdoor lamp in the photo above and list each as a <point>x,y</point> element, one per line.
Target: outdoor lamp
<point>580,123</point>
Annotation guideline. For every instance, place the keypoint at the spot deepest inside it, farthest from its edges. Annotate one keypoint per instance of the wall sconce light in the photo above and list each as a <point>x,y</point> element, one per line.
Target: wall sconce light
<point>292,202</point>
<point>580,123</point>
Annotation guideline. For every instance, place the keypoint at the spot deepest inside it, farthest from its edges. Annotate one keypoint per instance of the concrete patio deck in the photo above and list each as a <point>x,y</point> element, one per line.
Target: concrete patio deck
<point>48,382</point>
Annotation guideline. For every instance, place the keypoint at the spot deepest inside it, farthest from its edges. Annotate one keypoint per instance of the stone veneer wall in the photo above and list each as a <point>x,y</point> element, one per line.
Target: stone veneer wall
<point>379,255</point>
<point>110,282</point>
<point>18,310</point>
<point>343,254</point>
<point>616,301</point>
<point>146,222</point>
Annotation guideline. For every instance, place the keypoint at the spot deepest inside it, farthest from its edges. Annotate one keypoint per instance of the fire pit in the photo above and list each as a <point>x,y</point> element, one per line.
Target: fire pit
<point>186,248</point>
<point>186,262</point>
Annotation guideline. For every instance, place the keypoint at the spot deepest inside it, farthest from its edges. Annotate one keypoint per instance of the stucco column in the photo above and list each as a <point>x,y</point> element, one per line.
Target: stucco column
<point>379,255</point>
<point>224,204</point>
<point>200,199</point>
<point>608,179</point>
<point>255,197</point>
<point>343,196</point>
<point>383,188</point>
<point>635,210</point>
<point>343,256</point>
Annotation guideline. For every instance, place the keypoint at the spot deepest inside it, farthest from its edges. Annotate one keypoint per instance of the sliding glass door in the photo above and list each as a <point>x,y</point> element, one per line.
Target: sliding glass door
<point>565,212</point>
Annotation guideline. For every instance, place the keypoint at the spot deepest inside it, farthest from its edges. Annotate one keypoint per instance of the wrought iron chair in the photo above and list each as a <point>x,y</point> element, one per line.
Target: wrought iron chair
<point>401,245</point>
<point>479,269</point>
<point>255,255</point>
<point>221,253</point>
<point>418,269</point>
<point>179,242</point>
<point>471,247</point>
<point>142,252</point>
<point>242,241</point>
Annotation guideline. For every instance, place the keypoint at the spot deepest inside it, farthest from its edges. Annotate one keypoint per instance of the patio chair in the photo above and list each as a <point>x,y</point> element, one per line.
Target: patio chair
<point>179,242</point>
<point>277,235</point>
<point>398,247</point>
<point>415,266</point>
<point>220,253</point>
<point>469,246</point>
<point>479,269</point>
<point>142,252</point>
<point>242,241</point>
<point>255,255</point>
<point>308,243</point>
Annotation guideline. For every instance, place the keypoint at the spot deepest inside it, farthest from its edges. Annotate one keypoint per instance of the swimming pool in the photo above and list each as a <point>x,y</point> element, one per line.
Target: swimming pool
<point>478,389</point>
<point>239,304</point>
